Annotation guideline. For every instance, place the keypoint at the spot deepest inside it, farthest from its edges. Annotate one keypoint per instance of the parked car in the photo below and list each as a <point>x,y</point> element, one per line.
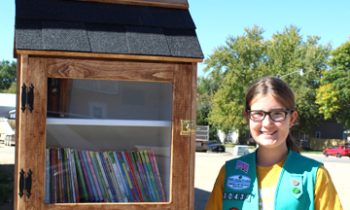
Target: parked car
<point>338,151</point>
<point>216,146</point>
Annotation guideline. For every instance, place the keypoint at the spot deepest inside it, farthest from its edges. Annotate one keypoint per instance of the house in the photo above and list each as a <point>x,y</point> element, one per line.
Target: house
<point>7,104</point>
<point>7,127</point>
<point>7,131</point>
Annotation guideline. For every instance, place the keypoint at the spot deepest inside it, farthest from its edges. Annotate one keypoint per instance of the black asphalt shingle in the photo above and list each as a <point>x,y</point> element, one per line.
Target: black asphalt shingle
<point>105,28</point>
<point>65,36</point>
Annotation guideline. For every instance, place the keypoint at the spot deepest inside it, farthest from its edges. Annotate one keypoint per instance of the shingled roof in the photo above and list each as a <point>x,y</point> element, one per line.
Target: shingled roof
<point>74,26</point>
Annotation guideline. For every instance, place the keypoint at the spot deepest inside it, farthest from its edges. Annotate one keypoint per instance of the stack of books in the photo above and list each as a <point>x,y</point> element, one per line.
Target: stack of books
<point>74,176</point>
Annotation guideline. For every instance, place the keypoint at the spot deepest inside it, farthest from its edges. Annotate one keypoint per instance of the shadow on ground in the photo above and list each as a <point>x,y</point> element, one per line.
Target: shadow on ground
<point>6,190</point>
<point>201,198</point>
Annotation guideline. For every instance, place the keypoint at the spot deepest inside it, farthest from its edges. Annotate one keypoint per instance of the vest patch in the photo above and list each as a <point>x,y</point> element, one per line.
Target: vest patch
<point>238,182</point>
<point>243,166</point>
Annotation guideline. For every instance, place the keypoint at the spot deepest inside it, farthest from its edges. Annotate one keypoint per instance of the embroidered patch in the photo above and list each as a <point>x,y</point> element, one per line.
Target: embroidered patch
<point>243,166</point>
<point>238,182</point>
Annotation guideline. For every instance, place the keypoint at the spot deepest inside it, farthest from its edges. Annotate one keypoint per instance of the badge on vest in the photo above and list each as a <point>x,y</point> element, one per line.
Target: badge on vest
<point>238,182</point>
<point>243,166</point>
<point>297,185</point>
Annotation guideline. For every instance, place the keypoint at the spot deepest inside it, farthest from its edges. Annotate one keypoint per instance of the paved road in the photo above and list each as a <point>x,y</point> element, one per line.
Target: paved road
<point>208,166</point>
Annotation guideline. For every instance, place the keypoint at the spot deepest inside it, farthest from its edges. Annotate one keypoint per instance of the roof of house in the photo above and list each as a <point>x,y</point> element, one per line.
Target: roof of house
<point>78,26</point>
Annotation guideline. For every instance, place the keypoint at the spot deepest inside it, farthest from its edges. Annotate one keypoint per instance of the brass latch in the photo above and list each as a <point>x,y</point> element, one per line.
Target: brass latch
<point>188,127</point>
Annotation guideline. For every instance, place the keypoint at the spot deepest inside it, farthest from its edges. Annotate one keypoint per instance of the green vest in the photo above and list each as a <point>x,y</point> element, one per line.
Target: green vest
<point>295,188</point>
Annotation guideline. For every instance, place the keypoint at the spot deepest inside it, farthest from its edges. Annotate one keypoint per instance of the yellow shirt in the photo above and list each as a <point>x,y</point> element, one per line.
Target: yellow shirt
<point>325,197</point>
<point>267,182</point>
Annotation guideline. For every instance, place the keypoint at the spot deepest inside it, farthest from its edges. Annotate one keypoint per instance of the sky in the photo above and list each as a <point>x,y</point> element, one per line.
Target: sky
<point>216,20</point>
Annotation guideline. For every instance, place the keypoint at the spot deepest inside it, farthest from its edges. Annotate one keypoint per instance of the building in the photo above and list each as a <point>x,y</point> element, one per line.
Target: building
<point>7,104</point>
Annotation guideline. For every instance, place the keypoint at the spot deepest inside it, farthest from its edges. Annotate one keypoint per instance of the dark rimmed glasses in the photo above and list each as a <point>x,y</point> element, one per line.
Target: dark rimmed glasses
<point>276,115</point>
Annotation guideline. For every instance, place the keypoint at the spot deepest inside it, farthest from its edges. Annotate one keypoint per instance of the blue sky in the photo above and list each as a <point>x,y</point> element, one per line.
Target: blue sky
<point>216,20</point>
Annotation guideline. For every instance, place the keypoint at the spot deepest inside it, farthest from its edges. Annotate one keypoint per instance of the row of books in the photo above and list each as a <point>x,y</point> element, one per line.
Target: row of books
<point>74,176</point>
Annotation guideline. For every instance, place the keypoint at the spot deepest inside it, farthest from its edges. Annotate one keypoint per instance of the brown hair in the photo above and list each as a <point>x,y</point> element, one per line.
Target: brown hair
<point>277,89</point>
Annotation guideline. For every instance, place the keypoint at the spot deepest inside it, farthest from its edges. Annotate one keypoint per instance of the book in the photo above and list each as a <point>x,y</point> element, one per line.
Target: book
<point>74,176</point>
<point>101,182</point>
<point>118,175</point>
<point>87,177</point>
<point>97,191</point>
<point>83,194</point>
<point>47,176</point>
<point>111,193</point>
<point>152,160</point>
<point>116,185</point>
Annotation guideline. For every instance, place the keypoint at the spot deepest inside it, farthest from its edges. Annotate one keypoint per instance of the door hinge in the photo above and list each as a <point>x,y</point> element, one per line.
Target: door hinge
<point>25,183</point>
<point>27,97</point>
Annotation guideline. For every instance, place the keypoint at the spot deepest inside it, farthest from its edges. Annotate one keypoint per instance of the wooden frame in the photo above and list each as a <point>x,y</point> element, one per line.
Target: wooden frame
<point>30,147</point>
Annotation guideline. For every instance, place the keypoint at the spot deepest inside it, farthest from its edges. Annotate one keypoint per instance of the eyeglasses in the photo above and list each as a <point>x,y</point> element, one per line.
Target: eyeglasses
<point>277,115</point>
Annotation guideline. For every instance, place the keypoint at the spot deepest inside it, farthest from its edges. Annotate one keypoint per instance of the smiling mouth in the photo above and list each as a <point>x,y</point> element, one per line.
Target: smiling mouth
<point>268,133</point>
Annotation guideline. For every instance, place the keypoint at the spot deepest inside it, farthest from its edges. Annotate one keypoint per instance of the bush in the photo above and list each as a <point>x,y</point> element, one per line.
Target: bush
<point>320,144</point>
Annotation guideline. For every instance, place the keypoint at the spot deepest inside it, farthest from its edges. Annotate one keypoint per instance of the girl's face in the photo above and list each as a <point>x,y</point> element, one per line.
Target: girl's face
<point>267,133</point>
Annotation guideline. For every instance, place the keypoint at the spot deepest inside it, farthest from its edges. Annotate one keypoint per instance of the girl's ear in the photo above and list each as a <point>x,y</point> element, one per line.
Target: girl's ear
<point>293,118</point>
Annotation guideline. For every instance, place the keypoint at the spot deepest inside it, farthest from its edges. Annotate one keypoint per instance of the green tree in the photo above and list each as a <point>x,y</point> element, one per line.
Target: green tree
<point>7,75</point>
<point>333,95</point>
<point>245,58</point>
<point>300,64</point>
<point>205,88</point>
<point>234,66</point>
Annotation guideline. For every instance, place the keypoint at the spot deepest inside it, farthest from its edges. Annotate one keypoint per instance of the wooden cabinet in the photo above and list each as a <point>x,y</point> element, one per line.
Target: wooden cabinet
<point>99,105</point>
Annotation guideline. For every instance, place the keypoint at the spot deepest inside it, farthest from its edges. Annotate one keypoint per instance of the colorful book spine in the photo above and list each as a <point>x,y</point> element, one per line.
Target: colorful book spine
<point>128,176</point>
<point>118,175</point>
<point>74,176</point>
<point>95,177</point>
<point>152,159</point>
<point>47,176</point>
<point>83,194</point>
<point>112,197</point>
<point>88,179</point>
<point>101,182</point>
<point>123,177</point>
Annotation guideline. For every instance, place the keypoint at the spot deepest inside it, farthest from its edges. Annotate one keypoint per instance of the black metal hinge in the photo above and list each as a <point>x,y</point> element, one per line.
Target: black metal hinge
<point>27,97</point>
<point>25,183</point>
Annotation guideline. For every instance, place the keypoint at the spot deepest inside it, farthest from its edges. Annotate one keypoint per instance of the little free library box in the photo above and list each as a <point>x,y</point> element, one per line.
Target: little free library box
<point>105,104</point>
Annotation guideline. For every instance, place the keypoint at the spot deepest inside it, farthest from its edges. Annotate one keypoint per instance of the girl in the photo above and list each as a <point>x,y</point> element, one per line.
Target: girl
<point>275,176</point>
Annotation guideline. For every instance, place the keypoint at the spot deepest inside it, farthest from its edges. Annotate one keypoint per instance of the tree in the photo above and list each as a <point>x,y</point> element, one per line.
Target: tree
<point>301,65</point>
<point>7,75</point>
<point>234,66</point>
<point>205,88</point>
<point>333,95</point>
<point>245,58</point>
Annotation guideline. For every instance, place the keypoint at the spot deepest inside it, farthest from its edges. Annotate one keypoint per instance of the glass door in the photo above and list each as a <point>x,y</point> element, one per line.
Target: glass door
<point>108,141</point>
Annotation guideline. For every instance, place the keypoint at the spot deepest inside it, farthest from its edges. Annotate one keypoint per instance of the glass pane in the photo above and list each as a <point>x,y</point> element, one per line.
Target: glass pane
<point>108,141</point>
